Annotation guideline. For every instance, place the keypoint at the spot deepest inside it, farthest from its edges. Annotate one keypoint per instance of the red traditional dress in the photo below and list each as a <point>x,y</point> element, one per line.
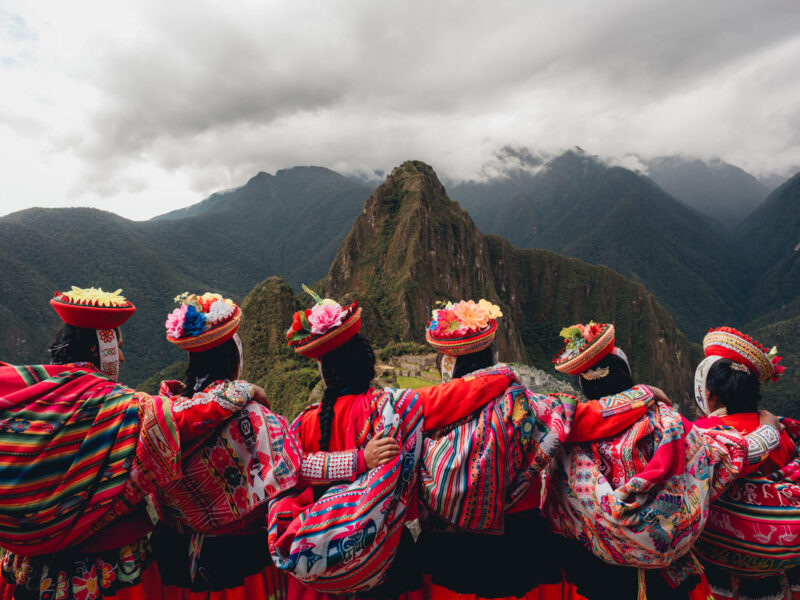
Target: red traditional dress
<point>72,446</point>
<point>442,405</point>
<point>232,561</point>
<point>460,564</point>
<point>726,584</point>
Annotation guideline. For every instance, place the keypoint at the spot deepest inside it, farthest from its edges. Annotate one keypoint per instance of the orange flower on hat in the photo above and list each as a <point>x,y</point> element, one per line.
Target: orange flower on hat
<point>472,316</point>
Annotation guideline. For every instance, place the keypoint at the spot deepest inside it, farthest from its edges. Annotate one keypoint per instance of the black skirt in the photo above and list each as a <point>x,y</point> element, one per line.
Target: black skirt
<point>224,561</point>
<point>494,566</point>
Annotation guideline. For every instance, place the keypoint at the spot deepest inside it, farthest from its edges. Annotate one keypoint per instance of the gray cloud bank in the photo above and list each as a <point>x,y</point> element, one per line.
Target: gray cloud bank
<point>218,91</point>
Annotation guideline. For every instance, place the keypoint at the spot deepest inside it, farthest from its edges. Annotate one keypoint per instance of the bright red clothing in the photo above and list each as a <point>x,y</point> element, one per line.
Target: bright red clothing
<point>746,423</point>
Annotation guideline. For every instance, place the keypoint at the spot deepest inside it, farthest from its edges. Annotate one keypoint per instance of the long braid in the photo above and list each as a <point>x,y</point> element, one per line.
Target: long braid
<point>348,369</point>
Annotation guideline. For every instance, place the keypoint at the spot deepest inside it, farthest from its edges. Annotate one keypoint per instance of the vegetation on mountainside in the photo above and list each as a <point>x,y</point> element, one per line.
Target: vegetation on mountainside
<point>721,191</point>
<point>402,348</point>
<point>610,216</point>
<point>393,249</point>
<point>290,223</point>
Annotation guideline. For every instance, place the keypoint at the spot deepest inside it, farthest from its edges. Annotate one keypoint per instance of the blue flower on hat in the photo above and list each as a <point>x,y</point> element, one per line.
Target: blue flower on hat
<point>194,323</point>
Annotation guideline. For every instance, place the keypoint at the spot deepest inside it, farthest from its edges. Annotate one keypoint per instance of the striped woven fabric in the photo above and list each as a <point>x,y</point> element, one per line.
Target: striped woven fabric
<point>67,438</point>
<point>468,473</point>
<point>345,541</point>
<point>754,528</point>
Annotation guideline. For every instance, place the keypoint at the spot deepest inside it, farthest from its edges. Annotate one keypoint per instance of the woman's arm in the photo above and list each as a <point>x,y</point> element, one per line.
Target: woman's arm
<point>448,403</point>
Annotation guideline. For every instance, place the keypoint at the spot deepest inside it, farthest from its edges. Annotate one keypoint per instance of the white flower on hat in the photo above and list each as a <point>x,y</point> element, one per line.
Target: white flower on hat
<point>219,311</point>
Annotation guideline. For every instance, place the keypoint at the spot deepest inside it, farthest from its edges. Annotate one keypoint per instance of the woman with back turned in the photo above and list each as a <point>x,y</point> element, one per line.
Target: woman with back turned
<point>751,544</point>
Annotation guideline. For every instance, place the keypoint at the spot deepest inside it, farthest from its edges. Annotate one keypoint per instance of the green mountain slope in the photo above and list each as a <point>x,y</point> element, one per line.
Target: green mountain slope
<point>721,191</point>
<point>608,215</point>
<point>291,223</point>
<point>412,245</point>
<point>769,247</point>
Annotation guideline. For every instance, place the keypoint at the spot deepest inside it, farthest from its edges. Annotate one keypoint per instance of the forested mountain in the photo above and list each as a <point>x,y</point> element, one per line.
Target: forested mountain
<point>290,223</point>
<point>719,190</point>
<point>410,245</point>
<point>769,248</point>
<point>580,207</point>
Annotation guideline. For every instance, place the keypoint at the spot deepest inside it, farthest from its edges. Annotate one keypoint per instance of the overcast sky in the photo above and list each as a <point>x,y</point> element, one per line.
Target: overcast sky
<point>145,106</point>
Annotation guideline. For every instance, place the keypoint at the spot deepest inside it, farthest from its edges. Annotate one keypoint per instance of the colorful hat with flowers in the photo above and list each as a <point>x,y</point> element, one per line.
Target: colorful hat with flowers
<point>585,346</point>
<point>727,342</point>
<point>463,328</point>
<point>202,322</point>
<point>92,308</point>
<point>324,327</point>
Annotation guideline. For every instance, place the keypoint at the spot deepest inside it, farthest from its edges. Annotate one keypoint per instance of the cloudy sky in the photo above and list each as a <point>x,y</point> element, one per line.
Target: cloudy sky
<point>144,106</point>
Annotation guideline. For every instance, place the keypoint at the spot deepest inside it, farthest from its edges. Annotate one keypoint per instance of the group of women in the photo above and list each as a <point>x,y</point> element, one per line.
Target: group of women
<point>475,488</point>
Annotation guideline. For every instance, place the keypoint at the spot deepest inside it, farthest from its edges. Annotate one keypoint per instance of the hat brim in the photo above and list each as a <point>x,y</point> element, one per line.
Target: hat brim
<point>92,317</point>
<point>468,344</point>
<point>601,347</point>
<point>317,346</point>
<point>211,338</point>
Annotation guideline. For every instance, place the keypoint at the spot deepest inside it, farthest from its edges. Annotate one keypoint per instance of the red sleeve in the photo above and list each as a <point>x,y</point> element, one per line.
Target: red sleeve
<point>448,403</point>
<point>207,410</point>
<point>590,424</point>
<point>610,415</point>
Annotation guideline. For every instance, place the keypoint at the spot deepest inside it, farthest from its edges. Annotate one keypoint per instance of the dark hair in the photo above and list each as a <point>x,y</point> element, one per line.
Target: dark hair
<point>349,369</point>
<point>468,363</point>
<point>738,391</point>
<point>220,362</point>
<point>74,344</point>
<point>618,378</point>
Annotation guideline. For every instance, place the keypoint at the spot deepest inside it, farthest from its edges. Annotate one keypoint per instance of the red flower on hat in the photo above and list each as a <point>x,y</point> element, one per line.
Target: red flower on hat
<point>297,323</point>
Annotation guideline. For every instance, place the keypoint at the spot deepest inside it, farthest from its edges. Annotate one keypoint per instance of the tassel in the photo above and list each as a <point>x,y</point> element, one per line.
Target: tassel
<point>642,587</point>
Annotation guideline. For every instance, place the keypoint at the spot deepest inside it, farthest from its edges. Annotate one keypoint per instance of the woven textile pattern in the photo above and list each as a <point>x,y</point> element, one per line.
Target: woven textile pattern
<point>754,528</point>
<point>474,472</point>
<point>731,346</point>
<point>251,459</point>
<point>67,440</point>
<point>642,497</point>
<point>346,541</point>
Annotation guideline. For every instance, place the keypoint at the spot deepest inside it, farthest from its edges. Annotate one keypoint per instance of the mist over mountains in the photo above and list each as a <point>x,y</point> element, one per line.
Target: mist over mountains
<point>402,246</point>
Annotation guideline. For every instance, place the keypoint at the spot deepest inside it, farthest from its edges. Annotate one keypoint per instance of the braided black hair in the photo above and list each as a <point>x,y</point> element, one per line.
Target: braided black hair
<point>218,363</point>
<point>349,369</point>
<point>618,379</point>
<point>74,344</point>
<point>468,363</point>
<point>738,390</point>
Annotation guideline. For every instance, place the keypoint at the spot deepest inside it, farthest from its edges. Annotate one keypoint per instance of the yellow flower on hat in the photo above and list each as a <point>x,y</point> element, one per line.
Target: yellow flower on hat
<point>492,310</point>
<point>95,297</point>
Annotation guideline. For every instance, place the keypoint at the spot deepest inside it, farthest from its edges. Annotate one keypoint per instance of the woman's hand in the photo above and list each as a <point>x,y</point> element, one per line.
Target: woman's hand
<point>260,396</point>
<point>379,451</point>
<point>767,418</point>
<point>660,395</point>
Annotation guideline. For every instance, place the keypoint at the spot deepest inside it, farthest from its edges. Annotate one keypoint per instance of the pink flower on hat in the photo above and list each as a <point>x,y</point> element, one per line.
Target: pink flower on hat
<point>324,317</point>
<point>590,331</point>
<point>174,322</point>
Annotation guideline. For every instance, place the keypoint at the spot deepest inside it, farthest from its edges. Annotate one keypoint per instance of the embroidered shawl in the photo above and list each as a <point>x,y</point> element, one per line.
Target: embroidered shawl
<point>230,474</point>
<point>345,541</point>
<point>641,498</point>
<point>754,528</point>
